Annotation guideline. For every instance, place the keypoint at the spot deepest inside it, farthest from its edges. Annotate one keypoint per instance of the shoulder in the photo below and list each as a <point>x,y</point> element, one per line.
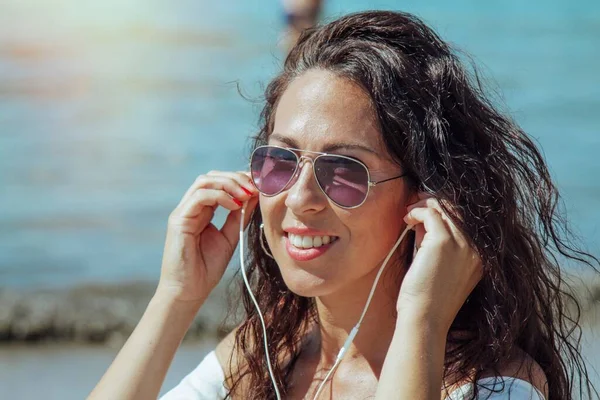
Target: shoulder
<point>224,349</point>
<point>523,370</point>
<point>230,358</point>
<point>522,366</point>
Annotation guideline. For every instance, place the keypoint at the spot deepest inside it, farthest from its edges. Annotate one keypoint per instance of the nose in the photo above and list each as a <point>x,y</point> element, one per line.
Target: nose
<point>305,195</point>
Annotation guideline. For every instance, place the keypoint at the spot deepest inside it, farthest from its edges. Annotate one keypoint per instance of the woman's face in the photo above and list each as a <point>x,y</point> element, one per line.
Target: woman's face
<point>325,113</point>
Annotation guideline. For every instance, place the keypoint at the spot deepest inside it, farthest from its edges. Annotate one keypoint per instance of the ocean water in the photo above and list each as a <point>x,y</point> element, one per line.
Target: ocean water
<point>109,110</point>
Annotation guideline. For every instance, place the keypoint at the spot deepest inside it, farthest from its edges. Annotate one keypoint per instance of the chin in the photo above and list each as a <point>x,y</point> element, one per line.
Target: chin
<point>306,284</point>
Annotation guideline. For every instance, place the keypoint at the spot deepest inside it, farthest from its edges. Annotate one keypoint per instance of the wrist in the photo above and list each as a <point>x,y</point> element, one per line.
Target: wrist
<point>420,322</point>
<point>178,293</point>
<point>172,300</point>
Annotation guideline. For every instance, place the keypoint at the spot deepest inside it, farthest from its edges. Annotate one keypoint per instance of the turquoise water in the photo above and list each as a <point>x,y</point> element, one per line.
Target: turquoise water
<point>109,110</point>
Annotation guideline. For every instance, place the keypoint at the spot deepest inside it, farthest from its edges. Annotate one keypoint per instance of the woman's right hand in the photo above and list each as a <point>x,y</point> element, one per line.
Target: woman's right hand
<point>196,252</point>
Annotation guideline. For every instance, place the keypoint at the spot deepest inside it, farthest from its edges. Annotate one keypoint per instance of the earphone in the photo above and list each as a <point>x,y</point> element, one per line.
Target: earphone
<point>354,330</point>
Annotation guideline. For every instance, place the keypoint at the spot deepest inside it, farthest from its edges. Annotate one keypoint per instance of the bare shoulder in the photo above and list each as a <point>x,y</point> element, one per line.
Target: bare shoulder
<point>231,362</point>
<point>225,348</point>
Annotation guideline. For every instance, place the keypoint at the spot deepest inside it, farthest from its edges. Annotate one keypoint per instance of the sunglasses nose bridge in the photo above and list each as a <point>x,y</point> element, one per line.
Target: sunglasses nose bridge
<point>303,159</point>
<point>304,193</point>
<point>300,166</point>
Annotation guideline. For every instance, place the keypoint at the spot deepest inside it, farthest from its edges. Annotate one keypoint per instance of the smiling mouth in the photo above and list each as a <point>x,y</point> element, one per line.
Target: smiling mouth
<point>303,242</point>
<point>311,251</point>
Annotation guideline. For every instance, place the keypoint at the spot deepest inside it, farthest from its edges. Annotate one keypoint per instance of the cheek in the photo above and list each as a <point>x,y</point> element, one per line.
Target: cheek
<point>272,210</point>
<point>268,209</point>
<point>374,232</point>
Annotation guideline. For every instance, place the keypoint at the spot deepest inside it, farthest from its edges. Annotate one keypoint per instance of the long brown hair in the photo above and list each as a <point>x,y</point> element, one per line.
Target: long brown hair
<point>439,125</point>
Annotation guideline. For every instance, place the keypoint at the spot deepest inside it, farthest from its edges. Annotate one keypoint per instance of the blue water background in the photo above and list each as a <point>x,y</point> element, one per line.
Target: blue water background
<point>109,110</point>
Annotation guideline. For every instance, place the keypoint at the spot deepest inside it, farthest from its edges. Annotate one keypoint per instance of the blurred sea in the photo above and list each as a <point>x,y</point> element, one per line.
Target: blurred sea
<point>109,110</point>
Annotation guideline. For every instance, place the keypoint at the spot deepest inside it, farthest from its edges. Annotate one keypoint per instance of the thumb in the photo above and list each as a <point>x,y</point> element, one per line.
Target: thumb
<point>231,227</point>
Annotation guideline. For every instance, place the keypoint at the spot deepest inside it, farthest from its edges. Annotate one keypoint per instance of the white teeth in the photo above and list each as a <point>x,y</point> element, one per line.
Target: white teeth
<point>296,240</point>
<point>307,242</point>
<point>317,241</point>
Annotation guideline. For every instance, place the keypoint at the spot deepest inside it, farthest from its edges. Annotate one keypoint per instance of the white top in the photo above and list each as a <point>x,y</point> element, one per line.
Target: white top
<point>498,388</point>
<point>206,382</point>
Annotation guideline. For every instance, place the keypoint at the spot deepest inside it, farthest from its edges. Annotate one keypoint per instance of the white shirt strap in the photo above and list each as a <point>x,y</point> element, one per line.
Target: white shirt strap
<point>498,388</point>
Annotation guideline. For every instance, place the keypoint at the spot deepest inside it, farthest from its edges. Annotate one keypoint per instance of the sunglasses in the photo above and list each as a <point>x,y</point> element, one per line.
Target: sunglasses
<point>344,180</point>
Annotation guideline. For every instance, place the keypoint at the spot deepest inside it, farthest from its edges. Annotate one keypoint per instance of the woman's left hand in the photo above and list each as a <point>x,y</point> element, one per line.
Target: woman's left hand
<point>444,270</point>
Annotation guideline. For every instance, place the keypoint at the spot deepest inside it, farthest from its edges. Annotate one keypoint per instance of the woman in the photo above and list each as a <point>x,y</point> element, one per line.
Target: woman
<point>471,304</point>
<point>299,15</point>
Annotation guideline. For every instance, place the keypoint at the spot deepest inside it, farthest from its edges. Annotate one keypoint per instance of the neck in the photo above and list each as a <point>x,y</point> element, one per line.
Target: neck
<point>340,312</point>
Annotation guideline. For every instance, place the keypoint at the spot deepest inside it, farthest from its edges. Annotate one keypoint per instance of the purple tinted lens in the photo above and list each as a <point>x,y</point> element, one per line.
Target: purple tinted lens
<point>272,169</point>
<point>345,181</point>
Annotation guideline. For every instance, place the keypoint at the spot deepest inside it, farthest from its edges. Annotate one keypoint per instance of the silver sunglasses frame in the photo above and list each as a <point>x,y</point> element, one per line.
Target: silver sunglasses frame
<point>313,160</point>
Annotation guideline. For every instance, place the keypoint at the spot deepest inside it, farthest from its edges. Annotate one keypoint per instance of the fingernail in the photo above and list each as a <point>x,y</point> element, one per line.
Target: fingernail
<point>249,193</point>
<point>239,203</point>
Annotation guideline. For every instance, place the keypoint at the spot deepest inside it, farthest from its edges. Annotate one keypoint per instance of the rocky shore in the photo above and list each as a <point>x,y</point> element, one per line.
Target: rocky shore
<point>107,314</point>
<point>96,314</point>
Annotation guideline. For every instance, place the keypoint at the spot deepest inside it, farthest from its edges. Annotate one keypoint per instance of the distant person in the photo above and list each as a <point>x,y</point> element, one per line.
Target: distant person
<point>377,157</point>
<point>299,15</point>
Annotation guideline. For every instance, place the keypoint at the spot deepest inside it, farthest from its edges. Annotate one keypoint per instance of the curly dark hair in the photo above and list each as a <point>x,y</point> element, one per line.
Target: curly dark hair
<point>440,126</point>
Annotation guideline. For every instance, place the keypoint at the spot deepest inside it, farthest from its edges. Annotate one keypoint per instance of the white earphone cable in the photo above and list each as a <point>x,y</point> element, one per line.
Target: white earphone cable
<point>262,321</point>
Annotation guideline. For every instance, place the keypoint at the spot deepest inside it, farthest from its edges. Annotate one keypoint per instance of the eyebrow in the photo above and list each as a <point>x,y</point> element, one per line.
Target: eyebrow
<point>330,147</point>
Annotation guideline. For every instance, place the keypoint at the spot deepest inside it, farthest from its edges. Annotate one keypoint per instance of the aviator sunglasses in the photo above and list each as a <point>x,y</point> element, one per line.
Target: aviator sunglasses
<point>344,180</point>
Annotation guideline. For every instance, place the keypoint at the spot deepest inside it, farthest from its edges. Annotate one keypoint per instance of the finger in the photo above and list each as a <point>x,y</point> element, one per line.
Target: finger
<point>238,185</point>
<point>203,219</point>
<point>231,227</point>
<point>234,187</point>
<point>190,224</point>
<point>431,202</point>
<point>245,182</point>
<point>227,184</point>
<point>431,220</point>
<point>458,235</point>
<point>243,177</point>
<point>203,198</point>
<point>422,202</point>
